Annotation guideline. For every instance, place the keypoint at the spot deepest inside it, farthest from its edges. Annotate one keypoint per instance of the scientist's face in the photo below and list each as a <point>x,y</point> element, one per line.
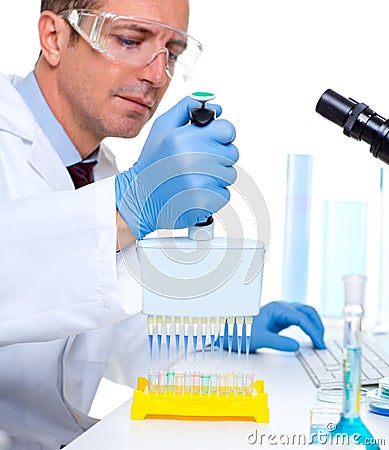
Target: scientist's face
<point>101,97</point>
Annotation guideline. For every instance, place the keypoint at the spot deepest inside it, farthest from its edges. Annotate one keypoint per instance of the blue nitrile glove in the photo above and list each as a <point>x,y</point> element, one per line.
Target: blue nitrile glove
<point>182,174</point>
<point>276,316</point>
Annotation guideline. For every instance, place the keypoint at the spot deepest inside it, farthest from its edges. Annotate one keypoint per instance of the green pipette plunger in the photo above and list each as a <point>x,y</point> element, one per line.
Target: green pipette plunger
<point>202,116</point>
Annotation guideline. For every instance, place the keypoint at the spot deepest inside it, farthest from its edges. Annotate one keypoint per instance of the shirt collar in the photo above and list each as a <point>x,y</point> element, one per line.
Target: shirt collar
<point>30,91</point>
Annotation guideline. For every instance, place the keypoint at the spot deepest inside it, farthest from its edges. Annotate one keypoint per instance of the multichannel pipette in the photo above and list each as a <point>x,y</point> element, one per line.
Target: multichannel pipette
<point>200,278</point>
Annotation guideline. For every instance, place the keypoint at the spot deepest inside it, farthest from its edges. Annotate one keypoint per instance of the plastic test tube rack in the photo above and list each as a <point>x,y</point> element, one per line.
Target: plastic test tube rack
<point>200,396</point>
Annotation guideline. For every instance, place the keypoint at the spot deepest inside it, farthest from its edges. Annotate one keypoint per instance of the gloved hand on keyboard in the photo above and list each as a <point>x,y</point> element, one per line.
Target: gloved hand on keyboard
<point>182,174</point>
<point>276,316</point>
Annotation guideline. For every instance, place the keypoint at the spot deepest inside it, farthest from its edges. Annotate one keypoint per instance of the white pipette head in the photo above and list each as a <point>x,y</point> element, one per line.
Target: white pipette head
<point>354,289</point>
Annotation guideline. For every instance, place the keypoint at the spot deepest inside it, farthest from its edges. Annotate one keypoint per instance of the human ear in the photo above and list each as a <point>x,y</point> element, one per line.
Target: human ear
<point>51,36</point>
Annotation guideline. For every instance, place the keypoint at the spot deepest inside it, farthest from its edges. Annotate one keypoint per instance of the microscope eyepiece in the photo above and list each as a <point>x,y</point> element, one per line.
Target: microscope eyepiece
<point>358,121</point>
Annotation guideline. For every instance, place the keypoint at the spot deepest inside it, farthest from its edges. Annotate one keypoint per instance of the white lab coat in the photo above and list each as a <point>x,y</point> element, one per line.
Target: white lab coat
<point>63,288</point>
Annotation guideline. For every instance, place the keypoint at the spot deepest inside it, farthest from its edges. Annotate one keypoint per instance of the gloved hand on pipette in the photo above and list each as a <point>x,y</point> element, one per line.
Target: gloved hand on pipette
<point>277,316</point>
<point>182,174</point>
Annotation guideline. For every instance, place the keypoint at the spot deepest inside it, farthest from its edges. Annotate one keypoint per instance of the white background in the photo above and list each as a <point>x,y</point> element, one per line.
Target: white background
<point>269,62</point>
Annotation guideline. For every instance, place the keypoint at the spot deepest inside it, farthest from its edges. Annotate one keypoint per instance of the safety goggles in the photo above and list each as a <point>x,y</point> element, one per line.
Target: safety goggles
<point>134,41</point>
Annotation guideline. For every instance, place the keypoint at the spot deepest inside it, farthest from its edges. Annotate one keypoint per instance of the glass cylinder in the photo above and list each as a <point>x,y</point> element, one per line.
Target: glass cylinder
<point>297,227</point>
<point>343,250</point>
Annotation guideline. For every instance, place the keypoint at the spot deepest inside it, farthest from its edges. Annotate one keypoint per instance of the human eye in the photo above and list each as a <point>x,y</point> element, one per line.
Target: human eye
<point>174,52</point>
<point>126,43</point>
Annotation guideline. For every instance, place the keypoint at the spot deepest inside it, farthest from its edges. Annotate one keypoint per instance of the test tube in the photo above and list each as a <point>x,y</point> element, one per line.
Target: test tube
<point>204,322</point>
<point>168,325</point>
<point>239,333</point>
<point>239,383</point>
<point>231,383</point>
<point>230,324</point>
<point>177,331</point>
<point>222,326</point>
<point>204,382</point>
<point>150,331</point>
<point>195,326</point>
<point>159,321</point>
<point>152,380</point>
<point>187,383</point>
<point>222,383</point>
<point>196,383</point>
<point>179,383</point>
<point>249,383</point>
<point>186,336</point>
<point>161,382</point>
<point>213,379</point>
<point>170,375</point>
<point>248,322</point>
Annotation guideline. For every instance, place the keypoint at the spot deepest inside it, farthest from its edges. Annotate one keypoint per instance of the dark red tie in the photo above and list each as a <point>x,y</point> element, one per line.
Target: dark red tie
<point>81,173</point>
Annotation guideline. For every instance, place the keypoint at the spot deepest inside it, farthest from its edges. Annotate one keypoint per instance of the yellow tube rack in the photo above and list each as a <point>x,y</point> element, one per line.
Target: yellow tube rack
<point>147,405</point>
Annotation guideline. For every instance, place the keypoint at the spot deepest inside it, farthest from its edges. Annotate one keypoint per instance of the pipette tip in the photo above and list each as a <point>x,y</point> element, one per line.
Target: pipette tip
<point>151,346</point>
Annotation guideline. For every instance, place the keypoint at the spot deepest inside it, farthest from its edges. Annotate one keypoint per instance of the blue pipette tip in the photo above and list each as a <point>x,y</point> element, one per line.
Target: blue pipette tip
<point>151,346</point>
<point>186,340</point>
<point>239,346</point>
<point>194,347</point>
<point>212,345</point>
<point>168,346</point>
<point>203,345</point>
<point>159,338</point>
<point>229,346</point>
<point>248,341</point>
<point>221,340</point>
<point>177,345</point>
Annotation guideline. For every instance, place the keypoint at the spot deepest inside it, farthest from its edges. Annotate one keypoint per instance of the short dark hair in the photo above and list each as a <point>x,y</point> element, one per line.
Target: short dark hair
<point>60,5</point>
<point>56,6</point>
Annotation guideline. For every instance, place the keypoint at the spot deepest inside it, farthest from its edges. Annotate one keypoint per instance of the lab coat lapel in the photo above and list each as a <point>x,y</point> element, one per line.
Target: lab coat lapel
<point>44,159</point>
<point>20,122</point>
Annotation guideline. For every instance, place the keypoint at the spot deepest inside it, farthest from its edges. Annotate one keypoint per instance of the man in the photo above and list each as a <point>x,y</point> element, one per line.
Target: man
<point>67,303</point>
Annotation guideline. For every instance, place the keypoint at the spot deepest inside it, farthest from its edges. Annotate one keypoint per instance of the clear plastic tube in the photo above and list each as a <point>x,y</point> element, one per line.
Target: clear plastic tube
<point>204,382</point>
<point>249,383</point>
<point>239,383</point>
<point>179,383</point>
<point>161,382</point>
<point>213,383</point>
<point>196,383</point>
<point>187,383</point>
<point>152,380</point>
<point>231,383</point>
<point>222,384</point>
<point>170,378</point>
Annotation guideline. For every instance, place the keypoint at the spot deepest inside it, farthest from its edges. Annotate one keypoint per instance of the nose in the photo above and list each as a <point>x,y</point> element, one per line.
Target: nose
<point>156,70</point>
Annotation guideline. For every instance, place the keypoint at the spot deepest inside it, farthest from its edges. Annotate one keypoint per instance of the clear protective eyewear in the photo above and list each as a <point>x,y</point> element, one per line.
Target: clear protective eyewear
<point>132,40</point>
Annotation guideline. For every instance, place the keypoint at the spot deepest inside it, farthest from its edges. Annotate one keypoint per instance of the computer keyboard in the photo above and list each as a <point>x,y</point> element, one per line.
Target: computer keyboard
<point>325,366</point>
